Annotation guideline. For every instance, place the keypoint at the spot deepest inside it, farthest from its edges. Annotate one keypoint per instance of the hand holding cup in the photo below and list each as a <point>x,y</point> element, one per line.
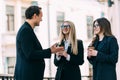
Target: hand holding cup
<point>92,51</point>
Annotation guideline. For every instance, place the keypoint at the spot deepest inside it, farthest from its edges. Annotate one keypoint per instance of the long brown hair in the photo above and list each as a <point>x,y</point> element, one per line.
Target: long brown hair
<point>105,27</point>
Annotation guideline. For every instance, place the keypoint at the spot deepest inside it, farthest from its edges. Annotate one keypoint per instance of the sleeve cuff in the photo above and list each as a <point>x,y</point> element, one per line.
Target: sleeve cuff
<point>58,57</point>
<point>68,58</point>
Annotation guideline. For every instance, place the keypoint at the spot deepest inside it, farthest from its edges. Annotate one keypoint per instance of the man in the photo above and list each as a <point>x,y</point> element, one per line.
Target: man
<point>30,54</point>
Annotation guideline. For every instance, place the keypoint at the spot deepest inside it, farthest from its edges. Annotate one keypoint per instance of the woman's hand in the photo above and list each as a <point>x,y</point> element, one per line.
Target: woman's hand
<point>65,54</point>
<point>92,52</point>
<point>60,53</point>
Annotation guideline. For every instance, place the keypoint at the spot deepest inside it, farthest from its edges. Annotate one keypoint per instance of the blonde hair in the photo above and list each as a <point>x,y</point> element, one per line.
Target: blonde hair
<point>72,37</point>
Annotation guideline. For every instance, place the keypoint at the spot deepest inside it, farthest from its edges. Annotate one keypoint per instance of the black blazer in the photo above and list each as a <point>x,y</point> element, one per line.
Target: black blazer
<point>69,70</point>
<point>30,55</point>
<point>104,64</point>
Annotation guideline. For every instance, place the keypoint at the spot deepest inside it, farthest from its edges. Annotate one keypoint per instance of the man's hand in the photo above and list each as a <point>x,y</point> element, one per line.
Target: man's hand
<point>55,49</point>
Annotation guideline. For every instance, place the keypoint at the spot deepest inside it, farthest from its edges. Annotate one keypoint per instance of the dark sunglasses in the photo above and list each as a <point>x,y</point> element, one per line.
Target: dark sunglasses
<point>96,25</point>
<point>65,26</point>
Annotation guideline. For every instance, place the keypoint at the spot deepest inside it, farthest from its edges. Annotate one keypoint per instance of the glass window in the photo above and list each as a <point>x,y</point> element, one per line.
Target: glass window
<point>10,18</point>
<point>11,64</point>
<point>90,71</point>
<point>23,14</point>
<point>35,3</point>
<point>60,20</point>
<point>89,27</point>
<point>90,35</point>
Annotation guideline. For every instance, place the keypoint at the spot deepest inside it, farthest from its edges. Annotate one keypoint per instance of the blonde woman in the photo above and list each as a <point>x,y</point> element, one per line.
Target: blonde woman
<point>68,61</point>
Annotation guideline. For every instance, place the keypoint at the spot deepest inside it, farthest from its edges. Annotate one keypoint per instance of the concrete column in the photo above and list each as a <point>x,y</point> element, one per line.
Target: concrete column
<point>2,25</point>
<point>44,29</point>
<point>18,16</point>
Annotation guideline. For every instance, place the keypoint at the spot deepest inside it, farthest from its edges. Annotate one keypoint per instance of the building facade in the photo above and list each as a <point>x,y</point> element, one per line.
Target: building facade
<point>81,12</point>
<point>111,9</point>
<point>11,18</point>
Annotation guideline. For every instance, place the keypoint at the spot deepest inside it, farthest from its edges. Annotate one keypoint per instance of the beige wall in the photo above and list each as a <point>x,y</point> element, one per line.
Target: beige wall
<point>2,24</point>
<point>114,16</point>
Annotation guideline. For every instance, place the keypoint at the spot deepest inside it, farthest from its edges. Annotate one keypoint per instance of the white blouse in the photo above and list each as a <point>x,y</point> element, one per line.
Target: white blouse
<point>66,48</point>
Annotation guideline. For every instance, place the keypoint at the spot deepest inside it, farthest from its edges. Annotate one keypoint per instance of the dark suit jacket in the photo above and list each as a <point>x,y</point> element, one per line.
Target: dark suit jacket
<point>104,64</point>
<point>30,55</point>
<point>69,70</point>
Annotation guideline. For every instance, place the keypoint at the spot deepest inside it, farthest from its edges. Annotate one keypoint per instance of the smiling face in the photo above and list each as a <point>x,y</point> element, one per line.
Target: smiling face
<point>97,29</point>
<point>38,19</point>
<point>65,28</point>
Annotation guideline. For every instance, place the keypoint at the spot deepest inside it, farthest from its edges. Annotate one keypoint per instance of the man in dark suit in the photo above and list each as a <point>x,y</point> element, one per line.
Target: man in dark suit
<point>30,62</point>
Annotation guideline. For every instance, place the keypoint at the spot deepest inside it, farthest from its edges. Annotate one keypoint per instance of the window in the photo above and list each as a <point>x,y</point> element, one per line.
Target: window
<point>89,20</point>
<point>10,18</point>
<point>60,20</point>
<point>23,14</point>
<point>90,71</point>
<point>89,27</point>
<point>11,64</point>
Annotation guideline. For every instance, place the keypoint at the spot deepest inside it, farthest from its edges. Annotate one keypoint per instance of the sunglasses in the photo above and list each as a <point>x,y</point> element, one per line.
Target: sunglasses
<point>65,26</point>
<point>96,25</point>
